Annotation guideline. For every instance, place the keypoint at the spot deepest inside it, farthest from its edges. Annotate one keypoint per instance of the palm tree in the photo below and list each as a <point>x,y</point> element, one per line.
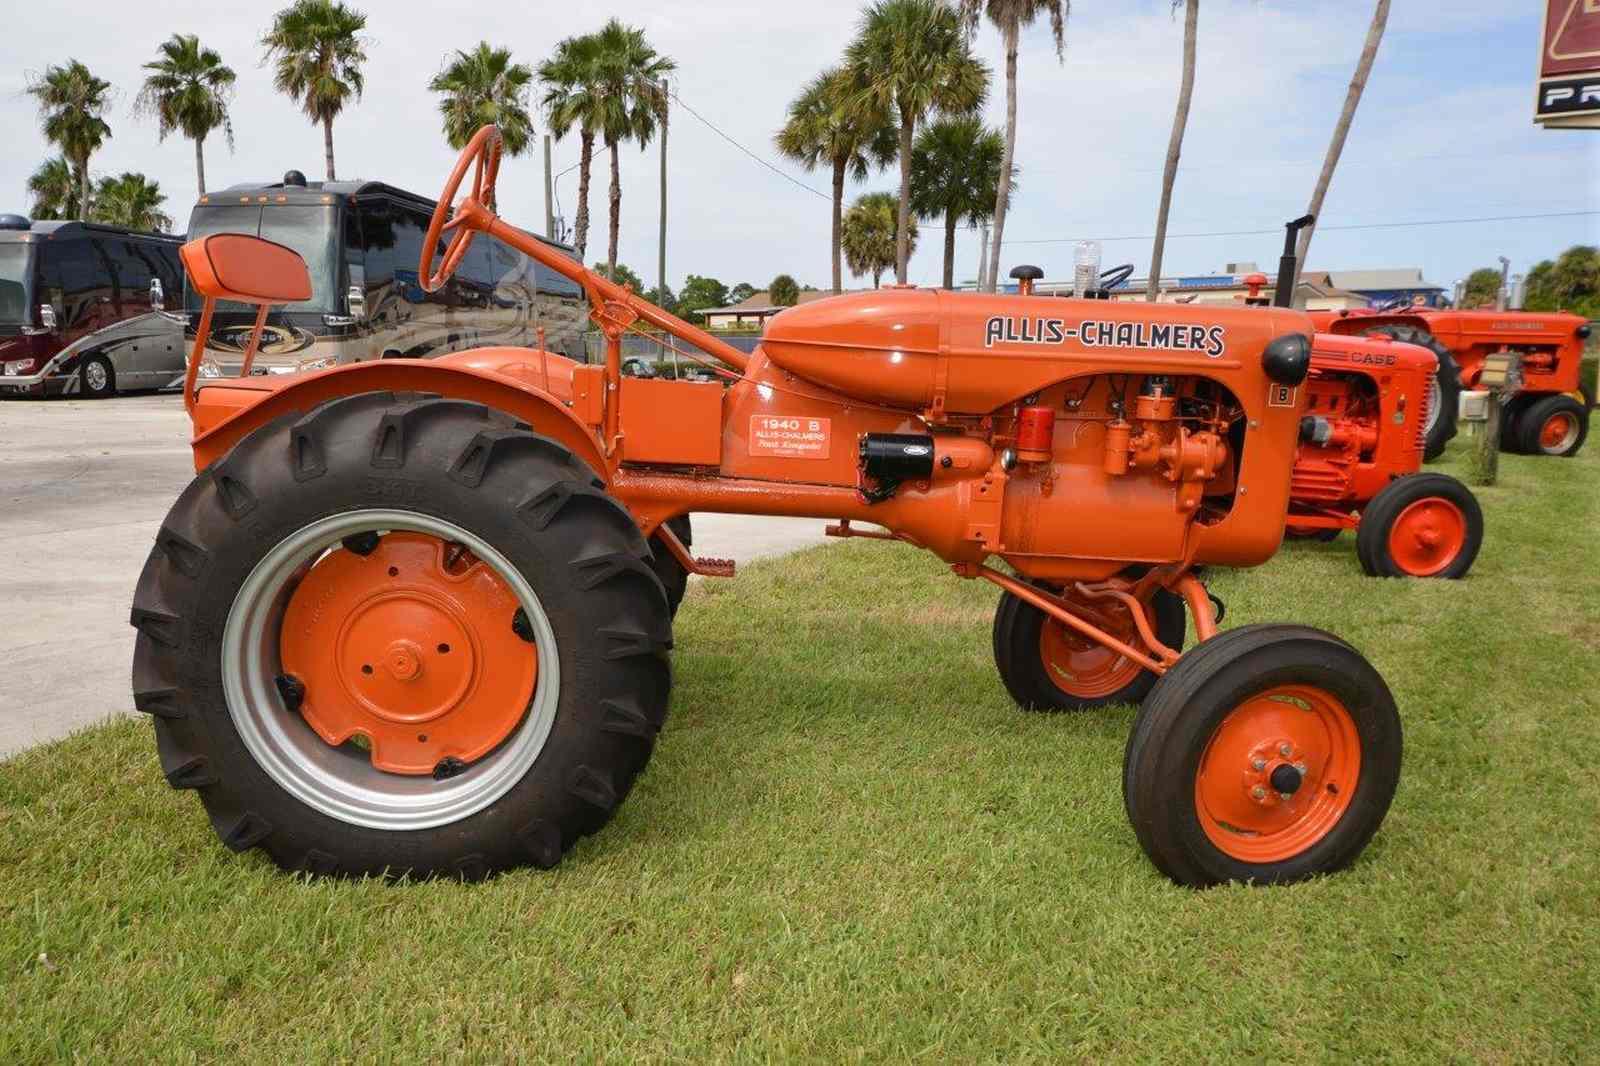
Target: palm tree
<point>1009,17</point>
<point>629,80</point>
<point>571,100</point>
<point>955,166</point>
<point>318,50</point>
<point>1180,122</point>
<point>872,236</point>
<point>188,90</point>
<point>1358,85</point>
<point>483,86</point>
<point>824,127</point>
<point>133,201</point>
<point>54,188</point>
<point>911,57</point>
<point>72,104</point>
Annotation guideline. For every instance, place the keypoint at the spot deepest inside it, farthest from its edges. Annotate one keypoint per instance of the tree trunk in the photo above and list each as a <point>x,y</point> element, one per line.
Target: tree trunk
<point>83,188</point>
<point>580,226</point>
<point>1180,122</point>
<point>902,228</point>
<point>1002,196</point>
<point>836,248</point>
<point>327,144</point>
<point>200,164</point>
<point>950,249</point>
<point>1358,84</point>
<point>877,276</point>
<point>616,210</point>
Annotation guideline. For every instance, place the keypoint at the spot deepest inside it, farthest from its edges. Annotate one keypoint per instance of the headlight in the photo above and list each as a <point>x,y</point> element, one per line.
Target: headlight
<point>19,367</point>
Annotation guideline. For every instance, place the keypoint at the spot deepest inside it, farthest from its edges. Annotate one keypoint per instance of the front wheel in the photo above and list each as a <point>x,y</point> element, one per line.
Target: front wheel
<point>401,635</point>
<point>97,378</point>
<point>1553,425</point>
<point>1046,666</point>
<point>1268,754</point>
<point>1424,525</point>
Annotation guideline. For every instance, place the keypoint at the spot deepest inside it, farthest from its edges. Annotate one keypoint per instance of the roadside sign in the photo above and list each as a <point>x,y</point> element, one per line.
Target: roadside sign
<point>1569,65</point>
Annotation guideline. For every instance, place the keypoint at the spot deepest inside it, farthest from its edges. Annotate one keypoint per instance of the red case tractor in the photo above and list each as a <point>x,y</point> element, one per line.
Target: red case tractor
<point>1548,415</point>
<point>410,616</point>
<point>1369,405</point>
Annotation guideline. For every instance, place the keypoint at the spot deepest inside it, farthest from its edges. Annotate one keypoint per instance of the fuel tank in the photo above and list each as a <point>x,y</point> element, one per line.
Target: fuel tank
<point>970,353</point>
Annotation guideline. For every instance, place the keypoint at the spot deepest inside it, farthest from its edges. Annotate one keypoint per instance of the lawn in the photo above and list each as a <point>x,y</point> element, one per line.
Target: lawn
<point>850,846</point>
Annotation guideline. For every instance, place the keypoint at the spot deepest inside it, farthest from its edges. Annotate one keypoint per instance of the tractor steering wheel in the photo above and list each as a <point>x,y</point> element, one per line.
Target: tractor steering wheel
<point>1117,275</point>
<point>473,214</point>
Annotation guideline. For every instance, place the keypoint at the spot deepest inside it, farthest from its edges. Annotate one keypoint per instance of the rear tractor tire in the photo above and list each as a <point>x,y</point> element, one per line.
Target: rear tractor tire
<point>401,635</point>
<point>1268,754</point>
<point>1424,525</point>
<point>1046,666</point>
<point>1445,397</point>
<point>1553,425</point>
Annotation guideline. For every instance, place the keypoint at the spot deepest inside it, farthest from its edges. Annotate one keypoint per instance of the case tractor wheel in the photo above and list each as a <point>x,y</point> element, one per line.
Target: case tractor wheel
<point>674,578</point>
<point>401,635</point>
<point>1553,425</point>
<point>1444,397</point>
<point>1048,667</point>
<point>1268,754</point>
<point>96,377</point>
<point>1425,525</point>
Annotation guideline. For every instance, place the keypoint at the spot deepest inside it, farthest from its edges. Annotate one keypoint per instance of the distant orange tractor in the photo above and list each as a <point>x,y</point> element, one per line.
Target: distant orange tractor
<point>1548,415</point>
<point>413,616</point>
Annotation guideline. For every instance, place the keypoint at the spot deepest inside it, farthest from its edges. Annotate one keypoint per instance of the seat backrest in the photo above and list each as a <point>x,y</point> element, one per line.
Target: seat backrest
<point>234,266</point>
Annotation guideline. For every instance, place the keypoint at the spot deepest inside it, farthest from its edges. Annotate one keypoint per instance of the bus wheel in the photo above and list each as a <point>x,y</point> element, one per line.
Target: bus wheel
<point>96,377</point>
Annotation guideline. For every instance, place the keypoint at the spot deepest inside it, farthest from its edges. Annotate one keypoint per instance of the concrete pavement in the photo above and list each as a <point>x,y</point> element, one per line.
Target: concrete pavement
<point>84,485</point>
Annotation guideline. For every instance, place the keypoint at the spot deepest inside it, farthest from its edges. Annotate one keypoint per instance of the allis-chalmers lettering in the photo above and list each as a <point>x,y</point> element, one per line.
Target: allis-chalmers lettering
<point>1176,337</point>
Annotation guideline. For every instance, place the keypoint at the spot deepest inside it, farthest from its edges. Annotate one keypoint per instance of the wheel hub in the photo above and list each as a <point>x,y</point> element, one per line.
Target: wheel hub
<point>1557,432</point>
<point>409,645</point>
<point>1427,536</point>
<point>1083,667</point>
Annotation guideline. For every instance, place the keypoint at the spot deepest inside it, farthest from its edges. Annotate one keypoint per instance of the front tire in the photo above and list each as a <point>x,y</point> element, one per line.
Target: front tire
<point>1047,667</point>
<point>96,377</point>
<point>1553,425</point>
<point>401,635</point>
<point>1423,525</point>
<point>1268,754</point>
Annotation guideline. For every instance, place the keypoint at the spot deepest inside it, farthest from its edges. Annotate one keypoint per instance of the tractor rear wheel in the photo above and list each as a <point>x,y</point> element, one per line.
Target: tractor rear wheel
<point>1445,396</point>
<point>674,578</point>
<point>1046,666</point>
<point>1424,525</point>
<point>1268,754</point>
<point>401,635</point>
<point>1553,425</point>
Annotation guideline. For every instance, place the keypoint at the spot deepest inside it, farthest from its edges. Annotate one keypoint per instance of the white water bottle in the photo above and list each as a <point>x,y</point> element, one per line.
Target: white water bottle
<point>1085,268</point>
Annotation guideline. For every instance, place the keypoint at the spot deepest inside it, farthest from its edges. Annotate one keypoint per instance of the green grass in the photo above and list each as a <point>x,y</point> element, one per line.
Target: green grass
<point>851,846</point>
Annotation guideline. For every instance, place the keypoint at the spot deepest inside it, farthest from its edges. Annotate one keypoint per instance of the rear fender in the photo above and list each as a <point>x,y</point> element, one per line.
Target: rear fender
<point>227,412</point>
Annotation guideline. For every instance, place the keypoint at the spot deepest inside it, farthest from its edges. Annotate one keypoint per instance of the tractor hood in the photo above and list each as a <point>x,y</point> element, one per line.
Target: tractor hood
<point>971,353</point>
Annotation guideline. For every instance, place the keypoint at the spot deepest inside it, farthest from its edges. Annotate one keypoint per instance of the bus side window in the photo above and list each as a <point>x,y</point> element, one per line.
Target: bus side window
<point>84,281</point>
<point>133,276</point>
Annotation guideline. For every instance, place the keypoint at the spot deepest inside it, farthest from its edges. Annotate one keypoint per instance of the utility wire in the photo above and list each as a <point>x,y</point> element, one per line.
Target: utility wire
<point>1320,229</point>
<point>712,126</point>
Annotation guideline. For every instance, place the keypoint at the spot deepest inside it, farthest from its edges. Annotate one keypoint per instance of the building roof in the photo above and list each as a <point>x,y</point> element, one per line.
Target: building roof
<point>1382,280</point>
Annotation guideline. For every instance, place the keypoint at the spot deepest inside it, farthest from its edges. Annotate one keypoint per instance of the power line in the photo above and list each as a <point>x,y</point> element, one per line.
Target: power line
<point>1320,229</point>
<point>712,126</point>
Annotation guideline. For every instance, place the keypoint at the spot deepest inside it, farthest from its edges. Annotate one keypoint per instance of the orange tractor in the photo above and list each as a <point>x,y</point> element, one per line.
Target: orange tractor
<point>1548,414</point>
<point>411,616</point>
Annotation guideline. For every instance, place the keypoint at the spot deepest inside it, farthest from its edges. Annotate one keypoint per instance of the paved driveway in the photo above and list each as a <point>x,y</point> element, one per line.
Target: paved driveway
<point>84,485</point>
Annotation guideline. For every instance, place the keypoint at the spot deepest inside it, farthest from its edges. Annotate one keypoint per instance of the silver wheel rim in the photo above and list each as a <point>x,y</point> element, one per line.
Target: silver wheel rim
<point>95,372</point>
<point>341,782</point>
<point>1567,438</point>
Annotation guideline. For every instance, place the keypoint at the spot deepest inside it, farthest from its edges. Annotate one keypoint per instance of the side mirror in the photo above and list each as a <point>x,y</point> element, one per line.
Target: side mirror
<point>158,296</point>
<point>47,316</point>
<point>356,302</point>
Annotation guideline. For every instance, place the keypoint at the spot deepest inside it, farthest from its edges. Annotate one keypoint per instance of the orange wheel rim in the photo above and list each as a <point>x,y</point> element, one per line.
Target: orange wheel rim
<point>1558,431</point>
<point>1427,536</point>
<point>1082,668</point>
<point>1278,774</point>
<point>412,647</point>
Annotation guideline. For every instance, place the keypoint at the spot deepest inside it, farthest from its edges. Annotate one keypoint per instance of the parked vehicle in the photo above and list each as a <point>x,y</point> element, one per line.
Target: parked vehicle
<point>361,241</point>
<point>1548,415</point>
<point>82,308</point>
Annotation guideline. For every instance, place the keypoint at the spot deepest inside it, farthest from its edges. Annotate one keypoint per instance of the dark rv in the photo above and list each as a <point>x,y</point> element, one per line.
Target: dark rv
<point>361,241</point>
<point>82,308</point>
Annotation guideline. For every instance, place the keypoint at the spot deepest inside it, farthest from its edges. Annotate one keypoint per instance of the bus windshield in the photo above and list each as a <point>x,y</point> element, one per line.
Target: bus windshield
<point>16,283</point>
<point>311,230</point>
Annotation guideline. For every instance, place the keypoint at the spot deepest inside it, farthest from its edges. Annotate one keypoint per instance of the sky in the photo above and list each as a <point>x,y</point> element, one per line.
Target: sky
<point>1444,132</point>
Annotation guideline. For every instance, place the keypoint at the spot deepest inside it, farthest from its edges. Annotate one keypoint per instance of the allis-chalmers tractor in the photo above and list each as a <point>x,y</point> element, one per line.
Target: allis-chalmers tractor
<point>410,617</point>
<point>1368,408</point>
<point>1548,414</point>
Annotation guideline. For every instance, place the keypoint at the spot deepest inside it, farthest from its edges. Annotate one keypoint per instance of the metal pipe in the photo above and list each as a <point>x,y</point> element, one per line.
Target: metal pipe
<point>1054,610</point>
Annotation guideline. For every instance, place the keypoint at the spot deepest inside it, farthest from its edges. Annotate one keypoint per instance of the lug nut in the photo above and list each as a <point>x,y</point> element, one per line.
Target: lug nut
<point>1258,764</point>
<point>1284,750</point>
<point>1259,793</point>
<point>1286,796</point>
<point>1301,767</point>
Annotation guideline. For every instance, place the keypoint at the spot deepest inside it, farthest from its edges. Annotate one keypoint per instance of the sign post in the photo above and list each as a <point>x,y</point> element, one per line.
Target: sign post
<point>1569,66</point>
